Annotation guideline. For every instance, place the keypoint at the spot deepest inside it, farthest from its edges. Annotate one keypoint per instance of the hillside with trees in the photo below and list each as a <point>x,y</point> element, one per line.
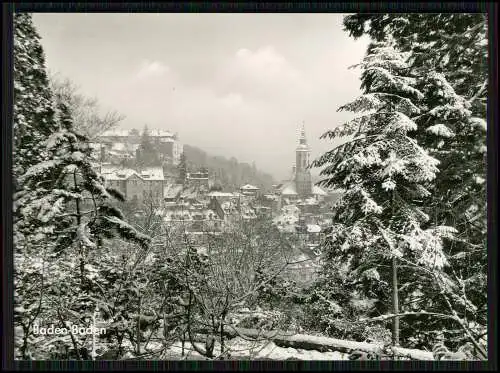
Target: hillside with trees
<point>228,173</point>
<point>225,174</point>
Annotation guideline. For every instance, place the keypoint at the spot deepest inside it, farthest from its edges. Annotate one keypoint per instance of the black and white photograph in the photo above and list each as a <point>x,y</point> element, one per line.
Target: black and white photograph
<point>250,186</point>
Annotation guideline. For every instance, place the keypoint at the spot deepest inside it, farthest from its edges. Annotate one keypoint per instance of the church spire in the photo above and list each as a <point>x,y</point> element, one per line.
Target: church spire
<point>302,139</point>
<point>303,182</point>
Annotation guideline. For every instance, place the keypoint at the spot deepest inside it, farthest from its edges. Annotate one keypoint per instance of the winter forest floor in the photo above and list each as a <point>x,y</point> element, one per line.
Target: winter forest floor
<point>241,349</point>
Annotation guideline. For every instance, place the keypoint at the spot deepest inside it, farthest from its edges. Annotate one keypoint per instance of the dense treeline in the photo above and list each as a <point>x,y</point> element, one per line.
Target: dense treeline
<point>229,173</point>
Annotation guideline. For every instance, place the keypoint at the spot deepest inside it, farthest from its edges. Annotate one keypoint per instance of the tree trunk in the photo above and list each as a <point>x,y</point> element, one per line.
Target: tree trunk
<point>395,285</point>
<point>138,328</point>
<point>222,337</point>
<point>119,338</point>
<point>395,302</point>
<point>183,342</point>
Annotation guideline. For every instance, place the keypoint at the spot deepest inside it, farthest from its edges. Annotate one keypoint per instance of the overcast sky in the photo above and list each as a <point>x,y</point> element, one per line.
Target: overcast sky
<point>232,84</point>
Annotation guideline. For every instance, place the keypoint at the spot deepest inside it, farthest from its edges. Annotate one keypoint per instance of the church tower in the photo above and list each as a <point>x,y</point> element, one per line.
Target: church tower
<point>303,181</point>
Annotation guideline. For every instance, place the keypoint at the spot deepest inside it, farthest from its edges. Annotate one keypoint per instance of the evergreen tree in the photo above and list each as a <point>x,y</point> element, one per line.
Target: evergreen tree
<point>33,116</point>
<point>33,120</point>
<point>385,175</point>
<point>454,44</point>
<point>63,214</point>
<point>134,134</point>
<point>148,153</point>
<point>69,194</point>
<point>33,109</point>
<point>69,209</point>
<point>448,53</point>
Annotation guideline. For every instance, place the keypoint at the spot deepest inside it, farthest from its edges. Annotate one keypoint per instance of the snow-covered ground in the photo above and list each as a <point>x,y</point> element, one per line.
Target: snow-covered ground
<point>241,348</point>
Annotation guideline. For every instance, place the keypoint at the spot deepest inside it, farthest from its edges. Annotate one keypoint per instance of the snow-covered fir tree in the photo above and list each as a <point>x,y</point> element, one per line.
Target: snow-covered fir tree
<point>448,54</point>
<point>454,44</point>
<point>69,194</point>
<point>63,214</point>
<point>33,109</point>
<point>148,154</point>
<point>385,173</point>
<point>33,120</point>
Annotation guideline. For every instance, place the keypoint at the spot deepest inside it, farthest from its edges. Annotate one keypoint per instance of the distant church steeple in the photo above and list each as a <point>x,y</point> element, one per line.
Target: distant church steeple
<point>302,139</point>
<point>303,181</point>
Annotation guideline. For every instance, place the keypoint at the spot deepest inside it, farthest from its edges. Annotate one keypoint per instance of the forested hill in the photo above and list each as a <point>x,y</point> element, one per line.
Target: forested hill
<point>229,173</point>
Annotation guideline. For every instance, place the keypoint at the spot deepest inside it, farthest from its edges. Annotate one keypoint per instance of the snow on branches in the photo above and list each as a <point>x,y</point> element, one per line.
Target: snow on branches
<point>386,175</point>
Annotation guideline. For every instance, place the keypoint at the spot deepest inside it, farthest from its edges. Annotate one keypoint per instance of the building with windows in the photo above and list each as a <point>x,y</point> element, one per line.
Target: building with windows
<point>134,184</point>
<point>199,178</point>
<point>249,190</point>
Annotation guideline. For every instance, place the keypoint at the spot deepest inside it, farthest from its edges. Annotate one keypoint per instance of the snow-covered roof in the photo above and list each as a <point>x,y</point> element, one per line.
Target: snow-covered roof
<point>119,146</point>
<point>115,133</point>
<point>117,174</point>
<point>270,196</point>
<point>308,201</point>
<point>152,173</point>
<point>160,133</point>
<point>290,209</point>
<point>313,228</point>
<point>249,187</point>
<point>177,214</point>
<point>318,191</point>
<point>107,168</point>
<point>289,189</point>
<point>126,133</point>
<point>112,172</point>
<point>220,194</point>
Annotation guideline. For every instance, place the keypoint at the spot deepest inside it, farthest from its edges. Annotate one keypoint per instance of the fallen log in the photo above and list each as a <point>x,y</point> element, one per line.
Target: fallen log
<point>323,344</point>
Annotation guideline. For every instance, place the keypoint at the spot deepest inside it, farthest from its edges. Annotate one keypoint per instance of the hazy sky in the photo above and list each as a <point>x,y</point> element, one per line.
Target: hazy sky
<point>232,84</point>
